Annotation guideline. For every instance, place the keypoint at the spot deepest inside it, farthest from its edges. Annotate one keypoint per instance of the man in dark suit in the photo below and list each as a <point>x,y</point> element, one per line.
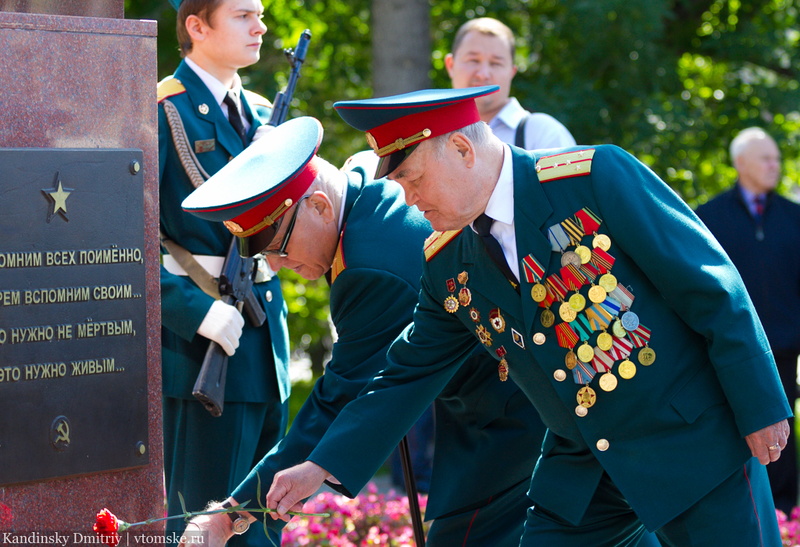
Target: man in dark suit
<point>204,119</point>
<point>760,231</point>
<point>601,294</point>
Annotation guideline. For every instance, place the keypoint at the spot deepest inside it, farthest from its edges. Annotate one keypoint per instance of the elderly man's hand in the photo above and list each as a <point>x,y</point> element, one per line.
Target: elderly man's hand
<point>291,486</point>
<point>766,444</point>
<point>212,530</point>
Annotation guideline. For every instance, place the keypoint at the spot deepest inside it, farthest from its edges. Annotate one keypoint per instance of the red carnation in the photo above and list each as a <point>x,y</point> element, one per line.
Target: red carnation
<point>106,526</point>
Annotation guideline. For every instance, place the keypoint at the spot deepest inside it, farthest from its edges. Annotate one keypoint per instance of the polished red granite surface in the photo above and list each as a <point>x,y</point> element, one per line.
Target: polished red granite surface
<point>87,82</point>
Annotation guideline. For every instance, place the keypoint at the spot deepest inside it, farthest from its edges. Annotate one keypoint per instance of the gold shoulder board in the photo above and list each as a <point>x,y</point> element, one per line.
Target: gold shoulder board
<point>436,242</point>
<point>562,166</point>
<point>168,87</point>
<point>338,265</point>
<point>256,99</point>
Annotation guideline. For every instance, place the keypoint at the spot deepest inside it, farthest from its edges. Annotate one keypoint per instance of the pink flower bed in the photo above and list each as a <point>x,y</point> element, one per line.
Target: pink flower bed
<point>370,519</point>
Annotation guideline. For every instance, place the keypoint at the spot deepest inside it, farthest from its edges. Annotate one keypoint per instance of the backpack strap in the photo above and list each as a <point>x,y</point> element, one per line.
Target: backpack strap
<point>519,136</point>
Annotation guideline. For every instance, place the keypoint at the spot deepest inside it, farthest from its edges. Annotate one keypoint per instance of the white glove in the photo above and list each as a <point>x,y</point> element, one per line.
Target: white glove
<point>261,131</point>
<point>223,324</point>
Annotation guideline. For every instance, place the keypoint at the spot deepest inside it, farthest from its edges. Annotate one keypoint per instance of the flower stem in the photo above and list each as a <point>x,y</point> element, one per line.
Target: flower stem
<point>125,525</point>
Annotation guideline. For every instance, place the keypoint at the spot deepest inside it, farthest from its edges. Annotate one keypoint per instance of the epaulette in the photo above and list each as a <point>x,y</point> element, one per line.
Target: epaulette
<point>338,265</point>
<point>256,99</point>
<point>168,87</point>
<point>437,241</point>
<point>562,166</point>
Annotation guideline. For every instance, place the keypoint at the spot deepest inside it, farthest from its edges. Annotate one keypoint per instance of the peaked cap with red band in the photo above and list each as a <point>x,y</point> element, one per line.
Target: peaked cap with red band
<point>256,188</point>
<point>396,124</point>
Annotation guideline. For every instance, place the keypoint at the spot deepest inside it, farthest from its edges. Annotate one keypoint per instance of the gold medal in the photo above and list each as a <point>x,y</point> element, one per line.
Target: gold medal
<point>577,302</point>
<point>571,360</point>
<point>483,335</point>
<point>602,241</point>
<point>570,257</point>
<point>581,411</point>
<point>502,370</point>
<point>475,315</point>
<point>617,328</point>
<point>585,353</point>
<point>605,341</point>
<point>538,292</point>
<point>566,312</point>
<point>608,382</point>
<point>584,252</point>
<point>547,318</point>
<point>626,369</point>
<point>539,338</point>
<point>647,356</point>
<point>586,397</point>
<point>608,282</point>
<point>597,294</point>
<point>463,277</point>
<point>451,304</point>
<point>560,375</point>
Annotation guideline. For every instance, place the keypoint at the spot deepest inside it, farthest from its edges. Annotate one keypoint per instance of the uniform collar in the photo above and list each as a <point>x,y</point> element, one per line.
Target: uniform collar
<point>500,206</point>
<point>352,190</point>
<point>217,88</point>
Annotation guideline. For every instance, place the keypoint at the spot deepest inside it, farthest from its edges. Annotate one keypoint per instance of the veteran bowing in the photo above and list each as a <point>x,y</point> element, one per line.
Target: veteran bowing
<point>623,321</point>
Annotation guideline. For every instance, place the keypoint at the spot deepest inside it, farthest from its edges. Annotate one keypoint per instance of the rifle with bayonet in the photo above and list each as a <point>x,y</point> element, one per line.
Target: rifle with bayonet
<point>239,273</point>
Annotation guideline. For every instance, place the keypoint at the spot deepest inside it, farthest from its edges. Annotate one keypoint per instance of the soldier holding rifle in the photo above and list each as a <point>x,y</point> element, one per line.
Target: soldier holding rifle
<point>206,118</point>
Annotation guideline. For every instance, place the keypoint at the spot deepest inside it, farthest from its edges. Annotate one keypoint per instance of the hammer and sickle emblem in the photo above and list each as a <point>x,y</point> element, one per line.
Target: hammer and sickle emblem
<point>59,432</point>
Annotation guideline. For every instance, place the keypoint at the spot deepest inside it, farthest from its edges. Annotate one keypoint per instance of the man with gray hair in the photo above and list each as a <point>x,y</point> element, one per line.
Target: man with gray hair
<point>597,290</point>
<point>760,230</point>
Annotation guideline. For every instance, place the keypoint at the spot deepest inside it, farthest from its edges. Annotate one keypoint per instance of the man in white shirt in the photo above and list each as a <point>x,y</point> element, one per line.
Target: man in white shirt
<point>483,54</point>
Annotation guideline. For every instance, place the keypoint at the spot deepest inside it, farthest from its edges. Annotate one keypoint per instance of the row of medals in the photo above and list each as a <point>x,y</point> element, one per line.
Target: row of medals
<point>568,311</point>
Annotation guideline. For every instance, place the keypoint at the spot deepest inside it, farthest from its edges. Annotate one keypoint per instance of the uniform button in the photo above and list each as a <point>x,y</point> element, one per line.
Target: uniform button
<point>560,375</point>
<point>602,445</point>
<point>268,296</point>
<point>539,338</point>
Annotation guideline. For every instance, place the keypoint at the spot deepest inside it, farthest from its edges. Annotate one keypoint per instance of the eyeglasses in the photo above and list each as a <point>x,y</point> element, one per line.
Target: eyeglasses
<point>281,251</point>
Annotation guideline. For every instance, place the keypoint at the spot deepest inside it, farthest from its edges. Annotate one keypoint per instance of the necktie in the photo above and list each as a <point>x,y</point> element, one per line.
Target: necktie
<point>759,206</point>
<point>234,117</point>
<point>482,225</point>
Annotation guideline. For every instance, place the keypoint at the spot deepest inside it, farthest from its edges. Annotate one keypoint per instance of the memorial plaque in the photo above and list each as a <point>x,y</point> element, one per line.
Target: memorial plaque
<point>73,378</point>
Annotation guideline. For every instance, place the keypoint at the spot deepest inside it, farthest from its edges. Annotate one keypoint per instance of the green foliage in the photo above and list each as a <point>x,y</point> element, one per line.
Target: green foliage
<point>309,327</point>
<point>670,81</point>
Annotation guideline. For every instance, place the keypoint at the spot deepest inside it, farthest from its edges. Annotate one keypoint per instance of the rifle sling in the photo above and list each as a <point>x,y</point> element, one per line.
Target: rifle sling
<point>198,274</point>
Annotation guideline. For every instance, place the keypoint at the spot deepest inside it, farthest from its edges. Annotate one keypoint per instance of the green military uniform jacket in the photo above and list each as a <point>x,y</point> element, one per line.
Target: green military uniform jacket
<point>183,304</point>
<point>375,286</point>
<point>666,436</point>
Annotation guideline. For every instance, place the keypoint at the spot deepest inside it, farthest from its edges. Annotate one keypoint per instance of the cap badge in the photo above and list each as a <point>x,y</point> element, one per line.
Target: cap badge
<point>398,144</point>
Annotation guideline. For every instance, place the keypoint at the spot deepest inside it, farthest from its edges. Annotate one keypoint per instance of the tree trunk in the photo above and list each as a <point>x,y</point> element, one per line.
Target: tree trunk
<point>401,46</point>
